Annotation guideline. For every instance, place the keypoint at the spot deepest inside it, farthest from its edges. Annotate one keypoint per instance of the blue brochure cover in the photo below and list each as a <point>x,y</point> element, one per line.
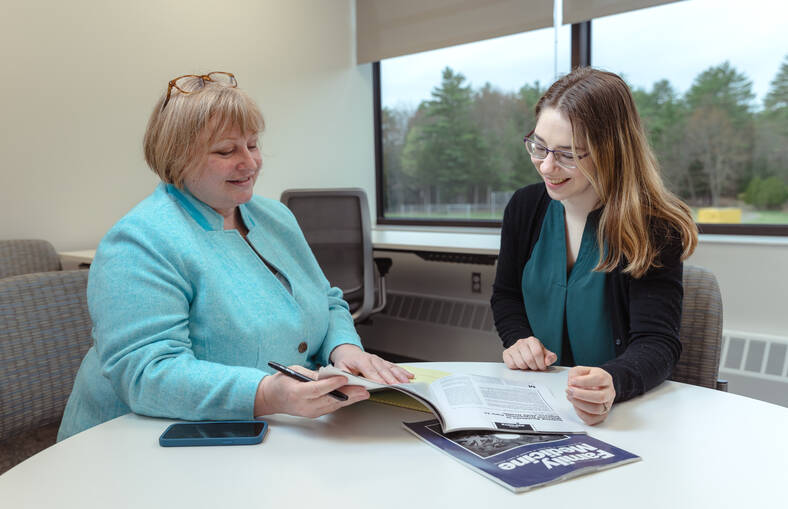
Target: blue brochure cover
<point>521,462</point>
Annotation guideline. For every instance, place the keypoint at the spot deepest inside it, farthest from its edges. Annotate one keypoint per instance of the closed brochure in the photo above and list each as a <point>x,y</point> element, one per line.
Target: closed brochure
<point>476,402</point>
<point>523,461</point>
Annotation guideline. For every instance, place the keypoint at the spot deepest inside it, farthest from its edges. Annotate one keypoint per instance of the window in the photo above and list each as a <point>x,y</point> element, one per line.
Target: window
<point>714,98</point>
<point>452,125</point>
<point>713,93</point>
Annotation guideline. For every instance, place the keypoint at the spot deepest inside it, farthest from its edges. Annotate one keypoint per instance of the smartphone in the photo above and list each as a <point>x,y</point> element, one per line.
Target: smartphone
<point>213,433</point>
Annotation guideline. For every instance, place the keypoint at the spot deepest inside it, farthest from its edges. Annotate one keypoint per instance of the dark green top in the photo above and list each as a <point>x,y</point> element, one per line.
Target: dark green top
<point>571,306</point>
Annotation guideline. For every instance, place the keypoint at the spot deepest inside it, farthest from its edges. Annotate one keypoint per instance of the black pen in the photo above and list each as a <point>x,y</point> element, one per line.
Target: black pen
<point>341,396</point>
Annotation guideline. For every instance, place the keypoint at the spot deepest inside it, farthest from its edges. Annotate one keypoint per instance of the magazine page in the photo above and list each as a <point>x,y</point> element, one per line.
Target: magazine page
<point>463,402</point>
<point>418,390</point>
<point>484,402</point>
<point>523,461</point>
<point>403,399</point>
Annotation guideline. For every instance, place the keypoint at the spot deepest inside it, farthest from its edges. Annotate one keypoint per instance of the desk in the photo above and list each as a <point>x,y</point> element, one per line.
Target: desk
<point>76,259</point>
<point>439,242</point>
<point>701,448</point>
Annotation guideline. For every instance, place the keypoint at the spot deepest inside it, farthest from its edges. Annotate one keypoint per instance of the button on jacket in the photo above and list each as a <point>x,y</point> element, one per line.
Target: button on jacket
<point>186,315</point>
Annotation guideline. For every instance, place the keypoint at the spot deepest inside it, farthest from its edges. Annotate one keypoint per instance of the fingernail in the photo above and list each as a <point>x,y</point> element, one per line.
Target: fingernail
<point>570,392</point>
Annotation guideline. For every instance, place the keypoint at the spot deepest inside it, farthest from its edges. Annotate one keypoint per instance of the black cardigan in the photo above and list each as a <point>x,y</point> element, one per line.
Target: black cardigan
<point>645,313</point>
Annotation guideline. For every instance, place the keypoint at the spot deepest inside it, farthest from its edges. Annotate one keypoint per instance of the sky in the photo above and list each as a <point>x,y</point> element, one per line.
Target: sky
<point>675,42</point>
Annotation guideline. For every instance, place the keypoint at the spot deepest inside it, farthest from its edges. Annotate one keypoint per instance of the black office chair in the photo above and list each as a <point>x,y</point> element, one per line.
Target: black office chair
<point>336,225</point>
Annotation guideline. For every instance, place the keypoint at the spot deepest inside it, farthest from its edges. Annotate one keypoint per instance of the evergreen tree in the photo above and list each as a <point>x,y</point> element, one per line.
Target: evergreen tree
<point>665,116</point>
<point>445,151</point>
<point>394,129</point>
<point>771,148</point>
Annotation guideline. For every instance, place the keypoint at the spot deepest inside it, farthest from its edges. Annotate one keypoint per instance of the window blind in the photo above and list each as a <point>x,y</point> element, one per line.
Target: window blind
<point>577,11</point>
<point>386,28</point>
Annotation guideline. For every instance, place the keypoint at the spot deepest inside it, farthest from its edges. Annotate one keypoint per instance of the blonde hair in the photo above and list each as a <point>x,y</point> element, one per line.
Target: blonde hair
<point>179,134</point>
<point>639,215</point>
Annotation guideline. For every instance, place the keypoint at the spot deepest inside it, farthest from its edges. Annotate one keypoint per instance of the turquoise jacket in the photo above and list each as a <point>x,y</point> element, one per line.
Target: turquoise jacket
<point>186,315</point>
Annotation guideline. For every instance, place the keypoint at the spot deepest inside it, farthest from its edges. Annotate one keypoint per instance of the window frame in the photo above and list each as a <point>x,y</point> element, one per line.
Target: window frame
<point>581,56</point>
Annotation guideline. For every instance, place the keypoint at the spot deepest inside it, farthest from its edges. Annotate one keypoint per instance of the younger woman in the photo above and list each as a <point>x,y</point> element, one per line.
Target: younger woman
<point>590,267</point>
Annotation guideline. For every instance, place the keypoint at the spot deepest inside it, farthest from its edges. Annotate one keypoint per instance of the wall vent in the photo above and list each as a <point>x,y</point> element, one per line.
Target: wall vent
<point>466,314</point>
<point>756,355</point>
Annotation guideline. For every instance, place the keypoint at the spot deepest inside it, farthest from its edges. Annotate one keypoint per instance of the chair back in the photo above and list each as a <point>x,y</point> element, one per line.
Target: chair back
<point>336,225</point>
<point>701,329</point>
<point>27,256</point>
<point>45,331</point>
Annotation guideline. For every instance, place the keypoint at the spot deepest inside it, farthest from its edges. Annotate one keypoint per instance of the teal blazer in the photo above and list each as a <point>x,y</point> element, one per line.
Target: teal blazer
<point>186,316</point>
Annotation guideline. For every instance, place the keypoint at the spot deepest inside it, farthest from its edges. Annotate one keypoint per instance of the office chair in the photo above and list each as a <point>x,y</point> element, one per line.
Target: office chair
<point>701,331</point>
<point>27,256</point>
<point>336,225</point>
<point>45,331</point>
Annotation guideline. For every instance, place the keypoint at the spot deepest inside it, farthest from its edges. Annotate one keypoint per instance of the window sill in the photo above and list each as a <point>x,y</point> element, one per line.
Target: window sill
<point>486,241</point>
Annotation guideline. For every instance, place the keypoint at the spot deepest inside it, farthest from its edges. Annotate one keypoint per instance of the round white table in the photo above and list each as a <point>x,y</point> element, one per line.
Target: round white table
<point>700,448</point>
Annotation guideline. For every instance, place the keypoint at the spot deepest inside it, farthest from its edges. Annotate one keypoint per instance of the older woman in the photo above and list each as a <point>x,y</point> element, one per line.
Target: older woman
<point>202,283</point>
<point>590,268</point>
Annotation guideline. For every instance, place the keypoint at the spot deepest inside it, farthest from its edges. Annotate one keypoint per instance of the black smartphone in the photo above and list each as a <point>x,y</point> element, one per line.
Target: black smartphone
<point>213,433</point>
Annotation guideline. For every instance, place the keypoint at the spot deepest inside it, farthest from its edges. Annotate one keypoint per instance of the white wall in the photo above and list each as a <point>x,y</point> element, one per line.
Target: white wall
<point>81,77</point>
<point>753,280</point>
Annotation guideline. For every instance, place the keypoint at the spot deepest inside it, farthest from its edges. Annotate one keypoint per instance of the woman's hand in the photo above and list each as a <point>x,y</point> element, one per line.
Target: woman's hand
<point>280,394</point>
<point>355,360</point>
<point>528,353</point>
<point>591,392</point>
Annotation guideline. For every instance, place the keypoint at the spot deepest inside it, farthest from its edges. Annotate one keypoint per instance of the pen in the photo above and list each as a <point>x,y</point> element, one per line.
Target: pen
<point>341,396</point>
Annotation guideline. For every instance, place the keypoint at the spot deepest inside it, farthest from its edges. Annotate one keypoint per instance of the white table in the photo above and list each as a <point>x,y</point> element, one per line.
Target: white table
<point>76,259</point>
<point>701,448</point>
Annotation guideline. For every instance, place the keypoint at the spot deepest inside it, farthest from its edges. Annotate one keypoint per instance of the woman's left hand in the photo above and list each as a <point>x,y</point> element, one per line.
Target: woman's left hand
<point>355,360</point>
<point>591,392</point>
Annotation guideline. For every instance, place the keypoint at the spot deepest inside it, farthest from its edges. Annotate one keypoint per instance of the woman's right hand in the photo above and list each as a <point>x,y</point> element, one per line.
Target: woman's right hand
<point>528,353</point>
<point>280,394</point>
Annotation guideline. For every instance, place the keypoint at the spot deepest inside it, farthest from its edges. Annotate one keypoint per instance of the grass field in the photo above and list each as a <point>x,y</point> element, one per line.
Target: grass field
<point>748,216</point>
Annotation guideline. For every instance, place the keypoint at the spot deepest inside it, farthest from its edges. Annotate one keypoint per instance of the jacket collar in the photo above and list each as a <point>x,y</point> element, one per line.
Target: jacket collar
<point>204,215</point>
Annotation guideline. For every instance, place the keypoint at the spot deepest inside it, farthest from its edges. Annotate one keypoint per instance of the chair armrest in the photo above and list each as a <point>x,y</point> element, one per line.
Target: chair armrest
<point>384,265</point>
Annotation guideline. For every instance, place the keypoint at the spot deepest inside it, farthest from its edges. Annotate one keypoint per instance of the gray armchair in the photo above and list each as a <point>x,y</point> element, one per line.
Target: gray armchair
<point>45,331</point>
<point>27,256</point>
<point>336,225</point>
<point>701,330</point>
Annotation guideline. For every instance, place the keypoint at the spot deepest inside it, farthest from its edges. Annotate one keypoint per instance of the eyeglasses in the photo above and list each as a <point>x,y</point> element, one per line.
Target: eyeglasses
<point>191,83</point>
<point>563,159</point>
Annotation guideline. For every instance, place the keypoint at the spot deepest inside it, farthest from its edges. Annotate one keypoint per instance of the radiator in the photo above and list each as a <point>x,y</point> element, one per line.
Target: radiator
<point>436,328</point>
<point>755,365</point>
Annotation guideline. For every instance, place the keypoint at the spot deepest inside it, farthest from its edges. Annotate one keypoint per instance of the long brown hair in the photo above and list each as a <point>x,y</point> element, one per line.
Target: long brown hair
<point>638,212</point>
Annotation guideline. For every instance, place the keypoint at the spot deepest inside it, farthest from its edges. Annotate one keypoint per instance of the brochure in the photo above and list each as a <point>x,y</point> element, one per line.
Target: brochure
<point>523,461</point>
<point>475,402</point>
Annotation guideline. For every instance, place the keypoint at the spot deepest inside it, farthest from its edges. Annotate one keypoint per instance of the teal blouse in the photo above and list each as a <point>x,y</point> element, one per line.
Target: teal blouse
<point>573,305</point>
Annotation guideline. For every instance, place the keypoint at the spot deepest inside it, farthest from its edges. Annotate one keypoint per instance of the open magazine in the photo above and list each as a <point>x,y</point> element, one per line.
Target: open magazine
<point>519,461</point>
<point>475,402</point>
